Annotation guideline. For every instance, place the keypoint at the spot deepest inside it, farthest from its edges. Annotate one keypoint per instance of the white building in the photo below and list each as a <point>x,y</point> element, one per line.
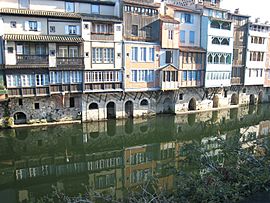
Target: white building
<point>256,53</point>
<point>217,39</point>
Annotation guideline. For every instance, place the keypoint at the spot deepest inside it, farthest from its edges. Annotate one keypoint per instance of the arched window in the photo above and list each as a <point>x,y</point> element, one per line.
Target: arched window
<point>226,26</point>
<point>228,59</point>
<point>222,59</point>
<point>93,106</point>
<point>215,24</point>
<point>210,59</point>
<point>144,102</point>
<point>215,41</point>
<point>216,59</point>
<point>259,56</point>
<point>225,42</point>
<point>254,57</point>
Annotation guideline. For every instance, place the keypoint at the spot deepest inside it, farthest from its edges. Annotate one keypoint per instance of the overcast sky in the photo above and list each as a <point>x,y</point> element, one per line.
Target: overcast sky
<point>259,9</point>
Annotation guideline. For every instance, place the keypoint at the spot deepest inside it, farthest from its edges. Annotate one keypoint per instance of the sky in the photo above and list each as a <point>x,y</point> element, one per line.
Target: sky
<point>259,10</point>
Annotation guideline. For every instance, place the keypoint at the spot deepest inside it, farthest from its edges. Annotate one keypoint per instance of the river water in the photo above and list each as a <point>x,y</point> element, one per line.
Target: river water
<point>114,156</point>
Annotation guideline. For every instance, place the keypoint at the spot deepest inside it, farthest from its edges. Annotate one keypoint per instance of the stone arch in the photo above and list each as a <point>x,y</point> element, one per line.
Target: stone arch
<point>192,104</point>
<point>129,109</point>
<point>144,102</point>
<point>93,106</point>
<point>252,99</point>
<point>111,110</point>
<point>260,97</point>
<point>234,99</point>
<point>167,105</point>
<point>20,118</point>
<point>215,101</point>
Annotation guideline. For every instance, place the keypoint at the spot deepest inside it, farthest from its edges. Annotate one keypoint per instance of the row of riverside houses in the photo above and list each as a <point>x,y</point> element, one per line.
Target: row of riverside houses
<point>94,60</point>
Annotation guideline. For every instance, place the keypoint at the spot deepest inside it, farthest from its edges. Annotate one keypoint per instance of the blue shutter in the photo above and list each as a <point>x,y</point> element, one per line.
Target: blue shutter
<point>182,36</point>
<point>199,75</point>
<point>185,75</point>
<point>191,37</point>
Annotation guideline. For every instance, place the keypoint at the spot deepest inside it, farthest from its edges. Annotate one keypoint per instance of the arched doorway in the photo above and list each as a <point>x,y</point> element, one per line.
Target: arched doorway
<point>192,105</point>
<point>19,118</point>
<point>215,101</point>
<point>234,99</point>
<point>111,110</point>
<point>129,109</point>
<point>251,99</point>
<point>260,98</point>
<point>167,106</point>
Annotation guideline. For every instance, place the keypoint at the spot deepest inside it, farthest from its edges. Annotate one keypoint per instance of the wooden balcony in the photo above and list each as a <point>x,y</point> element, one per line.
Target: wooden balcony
<point>102,36</point>
<point>32,59</point>
<point>236,81</point>
<point>58,88</point>
<point>69,62</point>
<point>28,91</point>
<point>172,85</point>
<point>96,87</point>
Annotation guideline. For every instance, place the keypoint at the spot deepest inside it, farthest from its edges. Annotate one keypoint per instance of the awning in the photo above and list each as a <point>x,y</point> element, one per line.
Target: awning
<point>42,38</point>
<point>38,13</point>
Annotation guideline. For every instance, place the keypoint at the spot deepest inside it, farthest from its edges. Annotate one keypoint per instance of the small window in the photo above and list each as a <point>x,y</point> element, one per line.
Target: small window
<point>13,24</point>
<point>20,102</point>
<point>52,29</point>
<point>72,29</point>
<point>71,102</point>
<point>134,30</point>
<point>33,26</point>
<point>148,31</point>
<point>168,57</point>
<point>36,105</point>
<point>93,106</point>
<point>181,96</point>
<point>118,28</point>
<point>86,54</point>
<point>10,50</point>
<point>225,94</point>
<point>86,27</point>
<point>24,4</point>
<point>95,8</point>
<point>144,102</point>
<point>244,90</point>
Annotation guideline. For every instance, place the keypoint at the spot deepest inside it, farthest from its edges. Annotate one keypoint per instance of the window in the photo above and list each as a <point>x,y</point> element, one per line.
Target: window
<point>103,28</point>
<point>71,102</point>
<point>134,54</point>
<point>103,76</point>
<point>93,106</point>
<point>52,29</point>
<point>181,96</point>
<point>24,4</point>
<point>187,18</point>
<point>170,34</point>
<point>41,80</point>
<point>198,76</point>
<point>13,81</point>
<point>55,77</point>
<point>184,77</point>
<point>142,75</point>
<point>27,80</point>
<point>151,54</point>
<point>144,102</point>
<point>215,24</point>
<point>168,57</point>
<point>13,24</point>
<point>20,102</point>
<point>36,105</point>
<point>182,36</point>
<point>191,37</point>
<point>143,54</point>
<point>33,25</point>
<point>95,9</point>
<point>75,77</point>
<point>134,30</point>
<point>72,29</point>
<point>10,50</point>
<point>70,7</point>
<point>85,26</point>
<point>102,55</point>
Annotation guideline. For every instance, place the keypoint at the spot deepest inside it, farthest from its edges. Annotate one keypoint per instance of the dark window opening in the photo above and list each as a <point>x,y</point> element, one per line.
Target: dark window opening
<point>20,102</point>
<point>144,102</point>
<point>71,102</point>
<point>134,30</point>
<point>93,106</point>
<point>168,57</point>
<point>36,105</point>
<point>181,96</point>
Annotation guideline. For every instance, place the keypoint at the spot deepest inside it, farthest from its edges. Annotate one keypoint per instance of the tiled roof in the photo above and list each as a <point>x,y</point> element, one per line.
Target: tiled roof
<point>179,8</point>
<point>156,5</point>
<point>38,13</point>
<point>42,38</point>
<point>168,19</point>
<point>191,49</point>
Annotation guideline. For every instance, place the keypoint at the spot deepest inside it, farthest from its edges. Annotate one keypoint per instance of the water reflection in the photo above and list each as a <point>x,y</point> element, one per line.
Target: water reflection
<point>113,156</point>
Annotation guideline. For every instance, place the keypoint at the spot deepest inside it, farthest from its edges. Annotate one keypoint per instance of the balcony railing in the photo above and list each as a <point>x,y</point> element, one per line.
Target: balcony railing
<point>32,59</point>
<point>66,61</point>
<point>102,36</point>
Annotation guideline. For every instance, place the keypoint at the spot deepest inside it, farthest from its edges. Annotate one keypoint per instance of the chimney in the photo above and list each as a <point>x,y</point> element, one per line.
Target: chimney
<point>236,11</point>
<point>257,20</point>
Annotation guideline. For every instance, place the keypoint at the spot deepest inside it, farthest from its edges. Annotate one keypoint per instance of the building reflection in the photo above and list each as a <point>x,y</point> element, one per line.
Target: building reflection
<point>115,156</point>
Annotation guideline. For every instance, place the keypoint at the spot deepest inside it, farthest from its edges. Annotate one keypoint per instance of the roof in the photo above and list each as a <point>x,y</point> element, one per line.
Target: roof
<point>155,5</point>
<point>38,13</point>
<point>42,38</point>
<point>106,18</point>
<point>192,49</point>
<point>182,9</point>
<point>166,66</point>
<point>168,19</point>
<point>215,8</point>
<point>239,14</point>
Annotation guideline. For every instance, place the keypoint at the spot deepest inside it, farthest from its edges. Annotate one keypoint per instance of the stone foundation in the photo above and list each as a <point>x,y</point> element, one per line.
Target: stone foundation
<point>101,106</point>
